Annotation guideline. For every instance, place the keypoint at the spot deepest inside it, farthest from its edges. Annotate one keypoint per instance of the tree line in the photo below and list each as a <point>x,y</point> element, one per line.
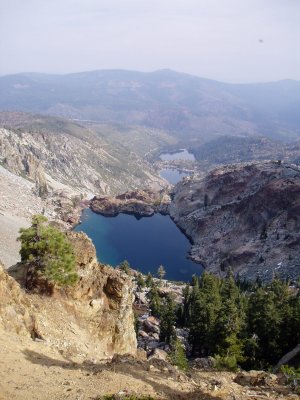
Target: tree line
<point>247,324</point>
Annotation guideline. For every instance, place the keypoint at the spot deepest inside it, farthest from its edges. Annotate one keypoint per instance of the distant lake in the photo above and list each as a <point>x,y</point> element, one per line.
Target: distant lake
<point>182,154</point>
<point>146,243</point>
<point>172,175</point>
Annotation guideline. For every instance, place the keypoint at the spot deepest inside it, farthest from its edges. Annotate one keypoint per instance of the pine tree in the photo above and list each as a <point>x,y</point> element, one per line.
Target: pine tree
<point>168,318</point>
<point>254,328</point>
<point>125,267</point>
<point>154,302</point>
<point>149,280</point>
<point>140,281</point>
<point>283,305</point>
<point>293,334</point>
<point>48,251</point>
<point>270,319</point>
<point>195,290</point>
<point>178,355</point>
<point>161,272</point>
<point>206,303</point>
<point>194,280</point>
<point>230,323</point>
<point>184,310</point>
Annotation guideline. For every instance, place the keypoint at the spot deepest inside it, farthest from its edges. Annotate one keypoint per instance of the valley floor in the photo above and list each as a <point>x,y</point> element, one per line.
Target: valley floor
<point>33,370</point>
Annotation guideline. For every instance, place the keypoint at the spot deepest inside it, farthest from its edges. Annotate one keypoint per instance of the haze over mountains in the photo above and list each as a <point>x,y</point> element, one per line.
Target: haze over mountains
<point>102,132</point>
<point>187,106</point>
<point>65,138</point>
<point>205,164</point>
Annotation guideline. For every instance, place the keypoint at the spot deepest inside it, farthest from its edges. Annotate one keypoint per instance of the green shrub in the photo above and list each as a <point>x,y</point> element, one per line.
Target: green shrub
<point>149,280</point>
<point>292,376</point>
<point>178,355</point>
<point>140,281</point>
<point>48,251</point>
<point>227,363</point>
<point>125,267</point>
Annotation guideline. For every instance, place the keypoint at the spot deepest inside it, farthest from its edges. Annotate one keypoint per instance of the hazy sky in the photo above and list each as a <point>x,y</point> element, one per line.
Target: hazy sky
<point>227,40</point>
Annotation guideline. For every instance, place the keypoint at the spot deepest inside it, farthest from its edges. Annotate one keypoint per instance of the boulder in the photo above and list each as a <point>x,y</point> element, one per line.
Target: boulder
<point>203,363</point>
<point>143,334</point>
<point>153,320</point>
<point>150,327</point>
<point>158,354</point>
<point>141,297</point>
<point>141,355</point>
<point>255,378</point>
<point>153,345</point>
<point>155,336</point>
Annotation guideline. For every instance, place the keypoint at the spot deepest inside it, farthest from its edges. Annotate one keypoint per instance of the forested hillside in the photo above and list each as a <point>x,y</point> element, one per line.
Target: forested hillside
<point>239,323</point>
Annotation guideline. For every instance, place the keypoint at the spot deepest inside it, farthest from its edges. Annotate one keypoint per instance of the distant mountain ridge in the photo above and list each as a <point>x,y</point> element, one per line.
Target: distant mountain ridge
<point>188,106</point>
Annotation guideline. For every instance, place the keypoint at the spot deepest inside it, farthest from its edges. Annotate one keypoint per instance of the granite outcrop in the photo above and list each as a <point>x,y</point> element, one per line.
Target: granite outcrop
<point>244,218</point>
<point>141,203</point>
<point>93,317</point>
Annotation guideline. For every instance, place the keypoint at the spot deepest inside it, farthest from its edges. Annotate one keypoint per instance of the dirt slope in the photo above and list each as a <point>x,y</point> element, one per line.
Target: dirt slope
<point>33,370</point>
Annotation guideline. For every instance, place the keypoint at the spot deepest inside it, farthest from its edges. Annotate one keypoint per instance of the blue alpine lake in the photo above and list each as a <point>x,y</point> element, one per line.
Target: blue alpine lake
<point>172,175</point>
<point>146,243</point>
<point>182,154</point>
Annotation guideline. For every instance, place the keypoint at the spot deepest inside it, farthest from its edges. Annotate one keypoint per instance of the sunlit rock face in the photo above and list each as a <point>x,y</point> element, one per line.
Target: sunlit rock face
<point>93,317</point>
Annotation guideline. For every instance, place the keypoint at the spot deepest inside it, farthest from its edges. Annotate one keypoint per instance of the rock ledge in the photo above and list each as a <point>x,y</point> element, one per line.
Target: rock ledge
<point>141,203</point>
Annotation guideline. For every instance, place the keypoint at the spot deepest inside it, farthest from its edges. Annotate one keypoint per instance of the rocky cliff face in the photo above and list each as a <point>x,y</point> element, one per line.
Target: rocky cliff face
<point>94,317</point>
<point>103,298</point>
<point>17,159</point>
<point>72,156</point>
<point>142,203</point>
<point>15,307</point>
<point>245,217</point>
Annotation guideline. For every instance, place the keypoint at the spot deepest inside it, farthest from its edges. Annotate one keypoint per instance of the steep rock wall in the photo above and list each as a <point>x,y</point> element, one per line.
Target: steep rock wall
<point>103,298</point>
<point>245,217</point>
<point>95,317</point>
<point>15,306</point>
<point>82,162</point>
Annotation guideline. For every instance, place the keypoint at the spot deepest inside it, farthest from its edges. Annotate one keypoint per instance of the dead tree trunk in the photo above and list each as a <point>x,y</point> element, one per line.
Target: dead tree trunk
<point>287,357</point>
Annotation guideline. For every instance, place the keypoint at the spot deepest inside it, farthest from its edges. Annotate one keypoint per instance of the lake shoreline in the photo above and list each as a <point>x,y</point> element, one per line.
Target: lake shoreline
<point>143,204</point>
<point>132,206</point>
